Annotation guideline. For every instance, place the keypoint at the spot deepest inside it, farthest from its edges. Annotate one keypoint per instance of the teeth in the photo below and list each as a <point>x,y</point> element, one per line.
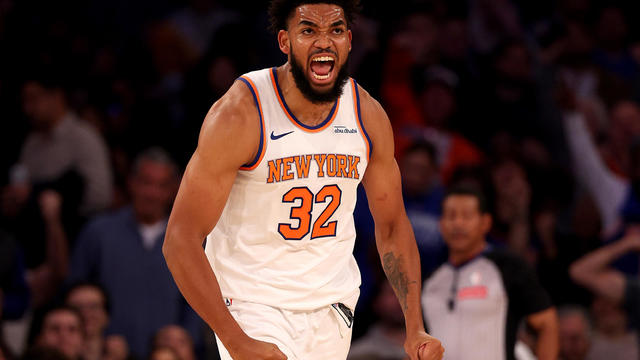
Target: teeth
<point>323,58</point>
<point>320,77</point>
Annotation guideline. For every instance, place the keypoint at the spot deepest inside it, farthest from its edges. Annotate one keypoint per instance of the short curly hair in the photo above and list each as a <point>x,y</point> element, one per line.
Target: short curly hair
<point>280,10</point>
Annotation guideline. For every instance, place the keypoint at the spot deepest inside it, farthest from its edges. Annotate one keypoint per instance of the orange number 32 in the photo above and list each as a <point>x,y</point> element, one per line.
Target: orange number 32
<point>321,227</point>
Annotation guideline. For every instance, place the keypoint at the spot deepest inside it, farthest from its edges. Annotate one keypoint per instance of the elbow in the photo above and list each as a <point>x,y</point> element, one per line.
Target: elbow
<point>169,245</point>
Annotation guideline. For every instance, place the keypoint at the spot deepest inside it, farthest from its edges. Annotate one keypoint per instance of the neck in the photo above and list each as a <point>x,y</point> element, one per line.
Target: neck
<point>460,257</point>
<point>57,115</point>
<point>148,219</point>
<point>93,348</point>
<point>307,112</point>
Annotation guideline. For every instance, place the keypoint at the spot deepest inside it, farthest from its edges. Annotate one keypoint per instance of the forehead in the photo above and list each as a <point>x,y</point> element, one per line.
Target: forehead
<point>61,317</point>
<point>318,13</point>
<point>461,202</point>
<point>85,292</point>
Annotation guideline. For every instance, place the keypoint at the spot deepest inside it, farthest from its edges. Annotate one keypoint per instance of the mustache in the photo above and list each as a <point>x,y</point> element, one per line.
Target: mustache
<point>327,50</point>
<point>458,233</point>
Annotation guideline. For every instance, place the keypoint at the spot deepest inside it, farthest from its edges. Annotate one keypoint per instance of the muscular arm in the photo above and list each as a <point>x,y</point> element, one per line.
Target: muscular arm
<point>394,235</point>
<point>545,323</point>
<point>592,271</point>
<point>201,198</point>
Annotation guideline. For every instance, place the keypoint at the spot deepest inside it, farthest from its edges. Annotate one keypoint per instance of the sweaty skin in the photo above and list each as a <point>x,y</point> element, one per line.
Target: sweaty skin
<point>229,138</point>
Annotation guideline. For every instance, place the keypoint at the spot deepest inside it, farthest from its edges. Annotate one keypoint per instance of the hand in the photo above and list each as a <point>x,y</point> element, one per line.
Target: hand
<point>631,240</point>
<point>50,205</point>
<point>423,346</point>
<point>253,349</point>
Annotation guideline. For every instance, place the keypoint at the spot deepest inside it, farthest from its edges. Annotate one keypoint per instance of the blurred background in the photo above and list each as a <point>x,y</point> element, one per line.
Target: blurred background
<point>534,102</point>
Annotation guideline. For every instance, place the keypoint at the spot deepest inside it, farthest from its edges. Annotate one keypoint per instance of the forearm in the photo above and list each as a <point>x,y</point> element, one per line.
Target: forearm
<point>401,263</point>
<point>597,261</point>
<point>547,345</point>
<point>57,248</point>
<point>199,286</point>
<point>607,191</point>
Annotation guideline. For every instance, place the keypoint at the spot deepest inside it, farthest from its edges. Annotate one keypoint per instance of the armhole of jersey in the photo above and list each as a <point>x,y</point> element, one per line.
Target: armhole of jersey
<point>356,104</point>
<point>256,99</point>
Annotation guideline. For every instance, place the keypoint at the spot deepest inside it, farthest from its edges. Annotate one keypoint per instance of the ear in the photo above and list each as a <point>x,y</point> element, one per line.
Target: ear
<point>487,222</point>
<point>350,38</point>
<point>284,42</point>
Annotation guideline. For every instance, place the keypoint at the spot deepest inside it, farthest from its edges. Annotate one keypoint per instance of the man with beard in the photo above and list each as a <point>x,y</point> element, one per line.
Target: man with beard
<point>272,186</point>
<point>475,302</point>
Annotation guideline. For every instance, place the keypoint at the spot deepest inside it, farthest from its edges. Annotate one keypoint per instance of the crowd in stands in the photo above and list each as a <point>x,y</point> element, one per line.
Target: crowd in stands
<point>534,104</point>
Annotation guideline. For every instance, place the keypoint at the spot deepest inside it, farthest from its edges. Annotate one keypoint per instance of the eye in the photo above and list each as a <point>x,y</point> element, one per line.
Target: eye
<point>338,31</point>
<point>307,31</point>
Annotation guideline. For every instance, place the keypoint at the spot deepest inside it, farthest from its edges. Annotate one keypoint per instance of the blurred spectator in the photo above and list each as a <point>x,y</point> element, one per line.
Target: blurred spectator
<point>613,54</point>
<point>611,338</point>
<point>43,353</point>
<point>62,329</point>
<point>116,348</point>
<point>123,252</point>
<point>177,339</point>
<point>512,206</point>
<point>616,197</point>
<point>593,272</point>
<point>491,22</point>
<point>60,142</point>
<point>198,22</point>
<point>575,333</point>
<point>422,192</point>
<point>435,92</point>
<point>14,293</point>
<point>474,303</point>
<point>385,338</point>
<point>92,303</point>
<point>412,43</point>
<point>45,279</point>
<point>163,353</point>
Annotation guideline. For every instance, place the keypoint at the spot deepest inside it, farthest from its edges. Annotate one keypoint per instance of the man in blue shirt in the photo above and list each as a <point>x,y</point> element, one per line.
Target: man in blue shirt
<point>123,252</point>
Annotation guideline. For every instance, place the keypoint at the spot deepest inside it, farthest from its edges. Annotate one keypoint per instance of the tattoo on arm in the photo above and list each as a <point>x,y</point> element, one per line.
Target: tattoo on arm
<point>395,270</point>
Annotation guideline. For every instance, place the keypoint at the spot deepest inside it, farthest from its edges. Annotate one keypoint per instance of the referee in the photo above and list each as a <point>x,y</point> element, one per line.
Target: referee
<point>475,302</point>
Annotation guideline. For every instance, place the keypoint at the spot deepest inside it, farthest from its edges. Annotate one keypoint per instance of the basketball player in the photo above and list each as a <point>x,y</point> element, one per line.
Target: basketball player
<point>272,187</point>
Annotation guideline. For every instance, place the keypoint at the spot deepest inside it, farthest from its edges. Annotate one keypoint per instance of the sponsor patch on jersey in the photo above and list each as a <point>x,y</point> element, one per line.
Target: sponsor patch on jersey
<point>228,301</point>
<point>341,129</point>
<point>473,292</point>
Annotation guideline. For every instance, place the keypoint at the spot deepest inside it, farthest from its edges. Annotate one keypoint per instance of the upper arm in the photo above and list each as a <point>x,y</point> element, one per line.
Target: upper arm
<point>228,139</point>
<point>543,319</point>
<point>382,179</point>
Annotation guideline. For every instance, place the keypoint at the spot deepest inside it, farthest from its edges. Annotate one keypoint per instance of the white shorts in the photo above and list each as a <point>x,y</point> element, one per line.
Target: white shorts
<point>320,334</point>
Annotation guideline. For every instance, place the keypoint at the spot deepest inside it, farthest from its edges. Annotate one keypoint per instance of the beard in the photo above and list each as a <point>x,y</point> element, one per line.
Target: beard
<point>304,85</point>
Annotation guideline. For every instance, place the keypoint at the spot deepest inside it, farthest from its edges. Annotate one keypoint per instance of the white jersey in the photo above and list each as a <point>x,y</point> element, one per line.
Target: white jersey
<point>286,235</point>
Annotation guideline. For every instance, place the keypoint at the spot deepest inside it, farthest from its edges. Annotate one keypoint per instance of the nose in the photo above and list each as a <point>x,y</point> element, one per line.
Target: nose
<point>323,41</point>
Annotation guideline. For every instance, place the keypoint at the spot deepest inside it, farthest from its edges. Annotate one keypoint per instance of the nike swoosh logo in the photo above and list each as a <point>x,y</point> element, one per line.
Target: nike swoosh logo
<point>276,137</point>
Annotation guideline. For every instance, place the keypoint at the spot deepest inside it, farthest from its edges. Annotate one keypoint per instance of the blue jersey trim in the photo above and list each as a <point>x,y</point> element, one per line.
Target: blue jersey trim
<point>366,135</point>
<point>286,107</point>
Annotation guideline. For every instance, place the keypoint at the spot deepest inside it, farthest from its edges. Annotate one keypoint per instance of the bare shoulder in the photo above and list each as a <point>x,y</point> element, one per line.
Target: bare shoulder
<point>231,126</point>
<point>376,123</point>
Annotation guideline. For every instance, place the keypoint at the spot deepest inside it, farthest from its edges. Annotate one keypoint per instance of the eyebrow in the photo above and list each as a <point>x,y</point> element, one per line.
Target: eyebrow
<point>310,23</point>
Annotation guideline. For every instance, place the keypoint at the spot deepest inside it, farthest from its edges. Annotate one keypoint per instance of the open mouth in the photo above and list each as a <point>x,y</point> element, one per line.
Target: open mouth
<point>322,67</point>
